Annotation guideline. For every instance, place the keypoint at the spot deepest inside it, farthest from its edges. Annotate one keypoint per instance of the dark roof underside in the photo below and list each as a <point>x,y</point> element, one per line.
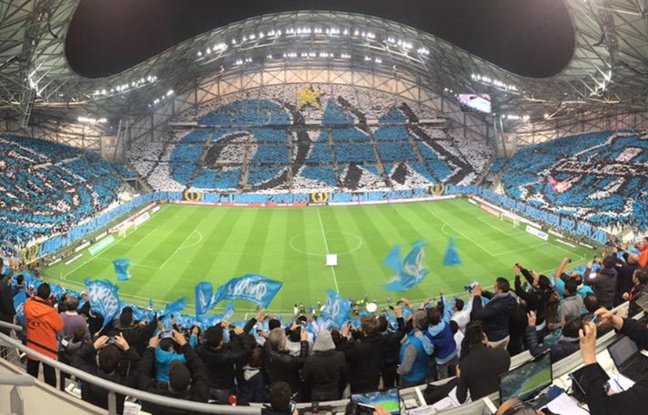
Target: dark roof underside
<point>532,38</point>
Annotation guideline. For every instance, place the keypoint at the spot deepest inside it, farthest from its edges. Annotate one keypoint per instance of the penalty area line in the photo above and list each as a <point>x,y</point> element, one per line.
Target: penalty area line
<point>319,216</point>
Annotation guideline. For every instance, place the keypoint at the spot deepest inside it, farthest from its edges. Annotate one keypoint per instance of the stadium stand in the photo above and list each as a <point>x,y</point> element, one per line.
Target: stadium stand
<point>47,187</point>
<point>310,148</point>
<point>598,177</point>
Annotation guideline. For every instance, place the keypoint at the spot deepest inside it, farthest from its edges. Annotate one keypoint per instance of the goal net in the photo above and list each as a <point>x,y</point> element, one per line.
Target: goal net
<point>507,219</point>
<point>126,230</point>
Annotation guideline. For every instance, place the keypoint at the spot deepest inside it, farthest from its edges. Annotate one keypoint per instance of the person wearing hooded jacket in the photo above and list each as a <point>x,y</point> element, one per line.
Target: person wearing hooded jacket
<point>43,322</point>
<point>324,369</point>
<point>186,381</point>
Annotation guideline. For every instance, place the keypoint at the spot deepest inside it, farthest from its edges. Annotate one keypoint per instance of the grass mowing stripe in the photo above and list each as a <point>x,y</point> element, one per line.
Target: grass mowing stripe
<point>288,244</point>
<point>319,217</point>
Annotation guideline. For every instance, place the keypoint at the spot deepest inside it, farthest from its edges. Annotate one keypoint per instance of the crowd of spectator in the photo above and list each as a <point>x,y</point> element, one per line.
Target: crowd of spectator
<point>599,177</point>
<point>46,187</point>
<point>471,340</point>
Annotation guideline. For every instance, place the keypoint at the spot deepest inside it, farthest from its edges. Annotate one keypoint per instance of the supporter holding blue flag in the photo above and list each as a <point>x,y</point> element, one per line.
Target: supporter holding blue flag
<point>104,299</point>
<point>19,305</point>
<point>336,308</point>
<point>251,287</point>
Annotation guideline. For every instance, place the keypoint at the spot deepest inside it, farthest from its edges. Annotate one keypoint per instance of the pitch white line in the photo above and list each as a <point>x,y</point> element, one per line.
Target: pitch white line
<point>319,216</point>
<point>183,242</point>
<point>495,227</point>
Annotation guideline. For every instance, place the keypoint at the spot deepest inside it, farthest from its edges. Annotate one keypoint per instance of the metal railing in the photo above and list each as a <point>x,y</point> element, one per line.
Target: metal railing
<point>560,368</point>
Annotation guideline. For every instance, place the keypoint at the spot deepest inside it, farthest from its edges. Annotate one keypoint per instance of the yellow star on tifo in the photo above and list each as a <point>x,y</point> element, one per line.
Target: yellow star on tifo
<point>308,96</point>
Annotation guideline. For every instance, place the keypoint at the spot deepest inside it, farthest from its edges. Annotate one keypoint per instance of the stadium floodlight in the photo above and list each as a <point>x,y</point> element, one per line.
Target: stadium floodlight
<point>270,56</point>
<point>169,92</point>
<point>199,54</point>
<point>378,60</point>
<point>346,32</point>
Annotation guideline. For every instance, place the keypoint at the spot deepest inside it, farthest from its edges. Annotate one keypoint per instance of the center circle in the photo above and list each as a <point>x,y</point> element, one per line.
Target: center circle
<point>333,239</point>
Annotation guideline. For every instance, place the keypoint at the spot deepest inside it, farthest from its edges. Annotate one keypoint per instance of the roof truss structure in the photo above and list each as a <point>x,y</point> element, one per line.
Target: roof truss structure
<point>607,75</point>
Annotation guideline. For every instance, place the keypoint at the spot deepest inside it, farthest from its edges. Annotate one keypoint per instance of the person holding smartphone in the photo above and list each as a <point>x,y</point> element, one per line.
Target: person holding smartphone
<point>599,400</point>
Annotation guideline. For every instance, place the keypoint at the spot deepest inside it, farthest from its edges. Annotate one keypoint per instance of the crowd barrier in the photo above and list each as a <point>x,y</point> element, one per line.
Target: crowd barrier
<point>479,407</point>
<point>510,207</point>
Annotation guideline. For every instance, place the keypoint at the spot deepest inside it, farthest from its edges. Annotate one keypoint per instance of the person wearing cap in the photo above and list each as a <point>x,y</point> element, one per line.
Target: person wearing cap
<point>324,369</point>
<point>188,381</point>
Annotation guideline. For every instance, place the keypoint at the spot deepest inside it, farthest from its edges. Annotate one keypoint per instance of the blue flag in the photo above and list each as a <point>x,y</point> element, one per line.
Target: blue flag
<point>410,271</point>
<point>121,268</point>
<point>19,305</point>
<point>251,287</point>
<point>103,299</point>
<point>336,308</point>
<point>228,312</point>
<point>175,307</point>
<point>204,297</point>
<point>451,256</point>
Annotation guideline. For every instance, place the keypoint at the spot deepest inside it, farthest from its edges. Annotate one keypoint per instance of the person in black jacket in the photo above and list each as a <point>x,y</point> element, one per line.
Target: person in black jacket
<point>363,356</point>
<point>604,283</point>
<point>324,369</point>
<point>391,348</point>
<point>221,360</point>
<point>625,271</point>
<point>7,311</point>
<point>496,314</point>
<point>280,365</point>
<point>479,371</point>
<point>188,381</point>
<point>105,367</point>
<point>599,402</point>
<point>136,333</point>
<point>536,299</point>
<point>563,347</point>
<point>638,290</point>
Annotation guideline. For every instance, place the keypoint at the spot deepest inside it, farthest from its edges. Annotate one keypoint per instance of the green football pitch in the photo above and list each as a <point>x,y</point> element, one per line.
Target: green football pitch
<point>181,245</point>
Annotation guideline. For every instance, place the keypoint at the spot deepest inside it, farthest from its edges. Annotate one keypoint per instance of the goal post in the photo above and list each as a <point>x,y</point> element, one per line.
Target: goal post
<point>507,219</point>
<point>126,230</point>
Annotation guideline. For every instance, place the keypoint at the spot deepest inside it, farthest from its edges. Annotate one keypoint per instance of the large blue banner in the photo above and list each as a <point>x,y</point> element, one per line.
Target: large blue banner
<point>103,299</point>
<point>336,308</point>
<point>251,287</point>
<point>410,271</point>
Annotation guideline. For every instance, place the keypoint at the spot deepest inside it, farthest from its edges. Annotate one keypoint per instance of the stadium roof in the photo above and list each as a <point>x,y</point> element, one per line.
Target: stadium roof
<point>608,72</point>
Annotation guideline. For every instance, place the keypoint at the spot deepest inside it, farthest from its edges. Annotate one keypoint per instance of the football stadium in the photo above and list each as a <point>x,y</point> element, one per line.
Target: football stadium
<point>337,207</point>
